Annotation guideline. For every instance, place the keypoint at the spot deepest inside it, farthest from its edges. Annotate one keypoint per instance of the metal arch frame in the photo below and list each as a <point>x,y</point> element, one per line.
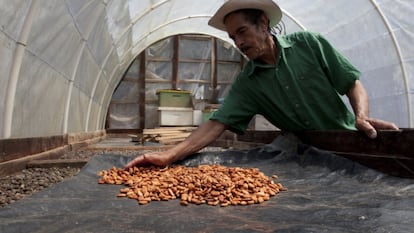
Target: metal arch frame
<point>400,57</point>
<point>16,66</point>
<point>293,19</point>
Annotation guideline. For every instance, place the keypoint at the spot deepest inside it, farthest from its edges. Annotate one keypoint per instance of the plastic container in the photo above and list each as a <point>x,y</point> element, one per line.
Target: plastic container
<point>171,116</point>
<point>197,117</point>
<point>174,98</point>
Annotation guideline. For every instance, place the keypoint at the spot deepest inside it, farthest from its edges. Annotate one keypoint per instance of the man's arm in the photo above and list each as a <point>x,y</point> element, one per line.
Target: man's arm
<point>200,138</point>
<point>358,99</point>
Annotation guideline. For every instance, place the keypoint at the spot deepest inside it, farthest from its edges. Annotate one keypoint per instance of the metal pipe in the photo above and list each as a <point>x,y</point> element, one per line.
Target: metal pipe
<point>15,69</point>
<point>400,58</point>
<point>70,89</point>
<point>95,85</point>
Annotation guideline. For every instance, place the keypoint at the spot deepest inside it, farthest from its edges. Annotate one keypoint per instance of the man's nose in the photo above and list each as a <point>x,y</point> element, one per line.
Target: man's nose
<point>239,43</point>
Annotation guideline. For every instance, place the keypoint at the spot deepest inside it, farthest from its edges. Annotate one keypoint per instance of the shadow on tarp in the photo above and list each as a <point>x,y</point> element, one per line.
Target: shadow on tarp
<point>326,193</point>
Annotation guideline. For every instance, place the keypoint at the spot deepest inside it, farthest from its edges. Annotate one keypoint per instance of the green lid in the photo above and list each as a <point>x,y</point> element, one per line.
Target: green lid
<point>173,91</point>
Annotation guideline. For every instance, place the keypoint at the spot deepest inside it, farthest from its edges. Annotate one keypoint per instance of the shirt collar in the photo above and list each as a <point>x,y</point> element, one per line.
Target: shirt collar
<point>281,42</point>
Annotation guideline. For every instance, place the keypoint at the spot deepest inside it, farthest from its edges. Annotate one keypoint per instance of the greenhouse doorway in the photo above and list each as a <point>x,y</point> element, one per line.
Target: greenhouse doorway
<point>203,65</point>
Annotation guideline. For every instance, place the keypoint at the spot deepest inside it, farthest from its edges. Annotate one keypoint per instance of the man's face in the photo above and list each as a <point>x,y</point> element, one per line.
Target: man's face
<point>249,38</point>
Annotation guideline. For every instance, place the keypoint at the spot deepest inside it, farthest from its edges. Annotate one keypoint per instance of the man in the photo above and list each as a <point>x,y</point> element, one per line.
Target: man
<point>295,81</point>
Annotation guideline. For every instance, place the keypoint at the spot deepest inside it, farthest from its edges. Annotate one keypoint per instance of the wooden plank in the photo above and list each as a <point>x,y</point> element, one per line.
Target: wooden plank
<point>126,148</point>
<point>161,132</point>
<point>388,142</point>
<point>259,136</point>
<point>16,148</point>
<point>168,130</point>
<point>391,164</point>
<point>167,136</point>
<point>391,152</point>
<point>142,87</point>
<point>15,165</point>
<point>123,131</point>
<point>171,141</point>
<point>74,163</point>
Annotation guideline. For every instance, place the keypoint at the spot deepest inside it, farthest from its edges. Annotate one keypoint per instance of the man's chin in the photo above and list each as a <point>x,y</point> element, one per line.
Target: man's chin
<point>251,56</point>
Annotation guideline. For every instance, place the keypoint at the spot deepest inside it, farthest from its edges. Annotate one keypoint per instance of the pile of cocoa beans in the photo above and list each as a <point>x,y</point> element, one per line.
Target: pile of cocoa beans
<point>205,184</point>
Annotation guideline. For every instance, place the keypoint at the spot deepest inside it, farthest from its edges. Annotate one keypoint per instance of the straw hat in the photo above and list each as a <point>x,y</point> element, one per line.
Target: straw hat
<point>269,7</point>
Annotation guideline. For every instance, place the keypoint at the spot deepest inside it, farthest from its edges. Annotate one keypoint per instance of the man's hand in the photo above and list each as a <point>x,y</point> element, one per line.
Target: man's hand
<point>154,158</point>
<point>201,137</point>
<point>359,101</point>
<point>371,125</point>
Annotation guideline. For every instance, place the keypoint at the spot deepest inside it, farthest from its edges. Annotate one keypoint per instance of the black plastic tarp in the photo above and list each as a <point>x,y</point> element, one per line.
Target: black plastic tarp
<point>326,193</point>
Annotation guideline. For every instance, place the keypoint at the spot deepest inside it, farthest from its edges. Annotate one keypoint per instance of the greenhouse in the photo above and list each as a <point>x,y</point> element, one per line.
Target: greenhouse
<point>114,79</point>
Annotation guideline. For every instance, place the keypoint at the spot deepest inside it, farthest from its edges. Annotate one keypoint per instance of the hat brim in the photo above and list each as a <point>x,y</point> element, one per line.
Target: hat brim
<point>269,7</point>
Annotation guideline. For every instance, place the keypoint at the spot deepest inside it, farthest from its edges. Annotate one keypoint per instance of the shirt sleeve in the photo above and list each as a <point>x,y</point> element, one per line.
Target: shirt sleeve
<point>237,109</point>
<point>341,73</point>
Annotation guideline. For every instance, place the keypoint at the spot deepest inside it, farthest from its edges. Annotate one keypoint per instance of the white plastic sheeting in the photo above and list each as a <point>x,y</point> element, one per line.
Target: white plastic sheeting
<point>62,59</point>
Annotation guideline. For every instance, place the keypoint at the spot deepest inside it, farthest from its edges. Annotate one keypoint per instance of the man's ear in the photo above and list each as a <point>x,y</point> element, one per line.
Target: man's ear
<point>263,22</point>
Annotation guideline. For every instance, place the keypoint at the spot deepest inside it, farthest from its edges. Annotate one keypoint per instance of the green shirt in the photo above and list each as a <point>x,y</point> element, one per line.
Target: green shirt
<point>301,92</point>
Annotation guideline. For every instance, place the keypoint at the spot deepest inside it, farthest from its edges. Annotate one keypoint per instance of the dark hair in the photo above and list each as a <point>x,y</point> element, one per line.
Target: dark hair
<point>251,15</point>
